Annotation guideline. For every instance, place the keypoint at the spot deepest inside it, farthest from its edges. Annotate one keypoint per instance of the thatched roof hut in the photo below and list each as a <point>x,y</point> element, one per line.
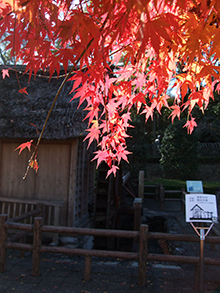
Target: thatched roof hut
<point>66,172</point>
<point>20,112</point>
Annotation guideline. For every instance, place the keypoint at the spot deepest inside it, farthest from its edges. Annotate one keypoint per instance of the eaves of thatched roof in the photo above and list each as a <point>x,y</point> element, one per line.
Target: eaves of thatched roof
<point>20,116</point>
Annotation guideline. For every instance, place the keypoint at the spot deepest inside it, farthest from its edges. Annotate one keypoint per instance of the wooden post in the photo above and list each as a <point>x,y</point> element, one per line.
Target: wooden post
<point>87,268</point>
<point>162,198</point>
<point>22,252</point>
<point>72,183</point>
<point>56,223</point>
<point>157,191</point>
<point>183,199</point>
<point>40,206</point>
<point>3,237</point>
<point>143,254</point>
<point>141,184</point>
<point>137,220</point>
<point>201,261</point>
<point>36,246</point>
<point>137,213</point>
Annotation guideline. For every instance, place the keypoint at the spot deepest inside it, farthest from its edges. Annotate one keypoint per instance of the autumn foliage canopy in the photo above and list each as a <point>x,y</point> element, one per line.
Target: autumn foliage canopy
<point>122,54</point>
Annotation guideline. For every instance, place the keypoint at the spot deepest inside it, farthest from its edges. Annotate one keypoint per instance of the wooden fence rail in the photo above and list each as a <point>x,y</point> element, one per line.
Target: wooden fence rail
<point>155,193</point>
<point>163,197</point>
<point>32,213</point>
<point>142,255</point>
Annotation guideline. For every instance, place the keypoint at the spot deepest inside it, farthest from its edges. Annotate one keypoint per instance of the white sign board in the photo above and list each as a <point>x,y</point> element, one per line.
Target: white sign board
<point>201,208</point>
<point>194,186</point>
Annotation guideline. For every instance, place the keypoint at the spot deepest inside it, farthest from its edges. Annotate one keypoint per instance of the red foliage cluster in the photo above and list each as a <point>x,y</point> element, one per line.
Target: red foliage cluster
<point>124,53</point>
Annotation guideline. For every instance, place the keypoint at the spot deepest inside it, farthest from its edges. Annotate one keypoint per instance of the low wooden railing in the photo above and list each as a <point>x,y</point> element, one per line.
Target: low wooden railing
<point>163,198</point>
<point>155,193</point>
<point>37,248</point>
<point>24,210</point>
<point>16,207</point>
<point>142,255</point>
<point>21,236</point>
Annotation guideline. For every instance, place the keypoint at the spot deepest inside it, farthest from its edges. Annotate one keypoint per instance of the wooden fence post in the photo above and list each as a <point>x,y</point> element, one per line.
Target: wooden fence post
<point>183,192</point>
<point>22,252</point>
<point>141,184</point>
<point>143,253</point>
<point>157,191</point>
<point>36,246</point>
<point>3,237</point>
<point>137,219</point>
<point>162,198</point>
<point>40,206</point>
<point>87,268</point>
<point>137,213</point>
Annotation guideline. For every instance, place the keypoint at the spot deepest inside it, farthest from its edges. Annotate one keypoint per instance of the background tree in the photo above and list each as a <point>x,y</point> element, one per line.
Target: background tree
<point>208,129</point>
<point>179,152</point>
<point>153,38</point>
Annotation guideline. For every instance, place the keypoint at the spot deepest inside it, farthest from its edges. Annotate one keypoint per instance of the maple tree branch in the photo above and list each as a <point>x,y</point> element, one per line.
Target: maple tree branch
<point>56,97</point>
<point>120,49</point>
<point>14,54</point>
<point>52,106</point>
<point>2,17</point>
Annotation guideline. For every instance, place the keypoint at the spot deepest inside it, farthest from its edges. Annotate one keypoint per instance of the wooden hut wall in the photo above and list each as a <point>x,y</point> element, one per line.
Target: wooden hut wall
<point>60,177</point>
<point>65,172</point>
<point>85,178</point>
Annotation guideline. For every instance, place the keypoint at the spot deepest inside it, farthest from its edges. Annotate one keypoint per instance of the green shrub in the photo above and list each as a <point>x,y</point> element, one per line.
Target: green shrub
<point>179,154</point>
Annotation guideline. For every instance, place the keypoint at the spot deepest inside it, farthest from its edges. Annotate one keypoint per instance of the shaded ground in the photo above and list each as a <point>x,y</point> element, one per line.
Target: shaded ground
<point>64,274</point>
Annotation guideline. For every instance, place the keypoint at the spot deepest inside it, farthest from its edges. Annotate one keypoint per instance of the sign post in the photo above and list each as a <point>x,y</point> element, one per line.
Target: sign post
<point>201,209</point>
<point>201,260</point>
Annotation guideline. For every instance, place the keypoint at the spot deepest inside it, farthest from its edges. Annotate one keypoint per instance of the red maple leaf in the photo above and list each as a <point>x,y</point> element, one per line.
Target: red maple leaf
<point>149,112</point>
<point>113,170</point>
<point>23,91</point>
<point>34,164</point>
<point>190,124</point>
<point>24,145</point>
<point>5,73</point>
<point>122,154</point>
<point>139,99</point>
<point>176,112</point>
<point>100,156</point>
<point>140,39</point>
<point>94,132</point>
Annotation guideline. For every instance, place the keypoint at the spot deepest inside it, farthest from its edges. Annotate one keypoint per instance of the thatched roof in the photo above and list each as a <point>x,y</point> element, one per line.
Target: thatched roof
<point>18,114</point>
